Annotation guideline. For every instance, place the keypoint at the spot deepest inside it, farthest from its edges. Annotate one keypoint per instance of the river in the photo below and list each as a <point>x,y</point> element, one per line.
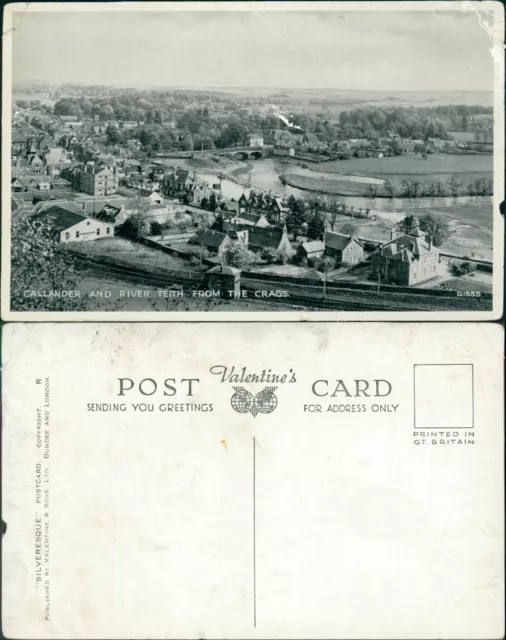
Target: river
<point>264,175</point>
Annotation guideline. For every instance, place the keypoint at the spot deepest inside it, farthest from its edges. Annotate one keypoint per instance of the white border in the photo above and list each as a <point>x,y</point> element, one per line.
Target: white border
<point>496,32</point>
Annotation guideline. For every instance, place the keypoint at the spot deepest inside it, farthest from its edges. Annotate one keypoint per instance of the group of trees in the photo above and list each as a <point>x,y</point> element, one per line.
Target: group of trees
<point>141,223</point>
<point>419,123</point>
<point>238,255</point>
<point>169,120</point>
<point>38,263</point>
<point>437,227</point>
<point>414,188</point>
<point>199,120</point>
<point>313,214</point>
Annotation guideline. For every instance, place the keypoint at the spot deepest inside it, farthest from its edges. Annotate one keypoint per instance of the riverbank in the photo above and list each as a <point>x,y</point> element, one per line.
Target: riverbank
<point>324,186</point>
<point>471,217</point>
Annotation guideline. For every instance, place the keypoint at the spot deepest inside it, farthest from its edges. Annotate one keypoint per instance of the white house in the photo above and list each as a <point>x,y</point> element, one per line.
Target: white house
<point>72,226</point>
<point>256,140</point>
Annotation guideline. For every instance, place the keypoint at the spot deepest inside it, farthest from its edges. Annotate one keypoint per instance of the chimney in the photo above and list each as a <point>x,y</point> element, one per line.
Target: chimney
<point>392,233</point>
<point>429,240</point>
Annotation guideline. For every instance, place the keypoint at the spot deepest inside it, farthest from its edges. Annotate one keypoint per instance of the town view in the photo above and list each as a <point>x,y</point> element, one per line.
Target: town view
<point>249,198</point>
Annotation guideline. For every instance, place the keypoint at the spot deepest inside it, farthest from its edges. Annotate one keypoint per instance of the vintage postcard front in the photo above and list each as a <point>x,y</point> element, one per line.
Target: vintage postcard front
<point>253,481</point>
<point>253,161</point>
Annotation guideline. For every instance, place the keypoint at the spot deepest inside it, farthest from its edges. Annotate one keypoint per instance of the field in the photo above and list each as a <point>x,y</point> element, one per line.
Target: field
<point>469,166</point>
<point>331,177</point>
<point>133,252</point>
<point>325,184</point>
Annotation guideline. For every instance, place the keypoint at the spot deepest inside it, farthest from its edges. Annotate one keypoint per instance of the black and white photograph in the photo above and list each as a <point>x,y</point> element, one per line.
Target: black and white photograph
<point>227,161</point>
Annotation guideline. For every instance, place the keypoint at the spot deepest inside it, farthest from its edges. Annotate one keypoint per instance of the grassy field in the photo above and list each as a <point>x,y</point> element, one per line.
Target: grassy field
<point>129,251</point>
<point>412,165</point>
<point>325,184</point>
<point>328,177</point>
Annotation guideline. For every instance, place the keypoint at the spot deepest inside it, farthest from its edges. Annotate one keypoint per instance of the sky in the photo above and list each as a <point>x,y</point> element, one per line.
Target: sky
<point>364,50</point>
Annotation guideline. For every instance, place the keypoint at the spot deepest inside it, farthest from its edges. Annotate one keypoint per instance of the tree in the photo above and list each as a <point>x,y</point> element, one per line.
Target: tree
<point>371,190</point>
<point>137,224</point>
<point>282,256</point>
<point>441,190</point>
<point>316,227</point>
<point>269,255</point>
<point>327,263</point>
<point>107,112</point>
<point>213,203</point>
<point>67,107</point>
<point>453,185</point>
<point>114,135</point>
<point>436,227</point>
<point>38,262</point>
<point>348,229</point>
<point>296,216</point>
<point>237,255</point>
<point>188,143</point>
<point>333,206</point>
<point>389,187</point>
<point>407,224</point>
<point>314,202</point>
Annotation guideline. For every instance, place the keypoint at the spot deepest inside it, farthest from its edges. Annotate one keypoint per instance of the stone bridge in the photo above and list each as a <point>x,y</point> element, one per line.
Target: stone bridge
<point>242,153</point>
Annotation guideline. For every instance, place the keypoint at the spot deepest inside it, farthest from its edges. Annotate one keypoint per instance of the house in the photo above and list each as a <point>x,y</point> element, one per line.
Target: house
<point>283,138</point>
<point>256,140</point>
<point>92,206</point>
<point>251,219</point>
<point>244,221</point>
<point>201,191</point>
<point>407,145</point>
<point>214,241</point>
<point>151,197</point>
<point>406,260</point>
<point>345,249</point>
<point>436,143</point>
<point>112,214</point>
<point>243,204</point>
<point>24,183</point>
<point>68,118</point>
<point>36,164</point>
<point>44,184</point>
<point>16,184</point>
<point>20,168</point>
<point>178,182</point>
<point>134,145</point>
<point>308,252</point>
<point>98,180</point>
<point>132,168</point>
<point>226,280</point>
<point>72,226</point>
<point>278,209</point>
<point>19,144</point>
<point>260,238</point>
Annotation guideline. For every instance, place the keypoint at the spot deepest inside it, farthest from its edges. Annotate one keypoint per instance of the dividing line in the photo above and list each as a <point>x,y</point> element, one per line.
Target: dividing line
<point>254,539</point>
